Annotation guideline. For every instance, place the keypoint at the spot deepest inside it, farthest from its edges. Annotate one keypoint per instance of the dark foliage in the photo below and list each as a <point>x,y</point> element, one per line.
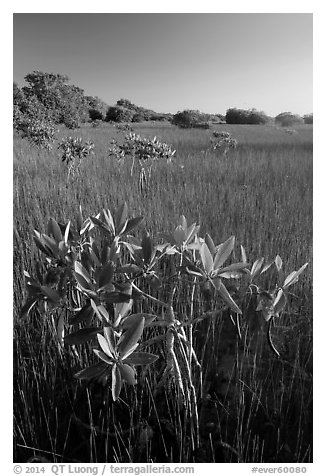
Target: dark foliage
<point>119,114</point>
<point>308,118</point>
<point>49,95</point>
<point>243,116</point>
<point>286,119</point>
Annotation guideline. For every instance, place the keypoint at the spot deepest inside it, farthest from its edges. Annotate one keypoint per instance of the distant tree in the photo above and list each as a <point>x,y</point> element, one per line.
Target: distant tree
<point>235,116</point>
<point>138,117</point>
<point>146,113</point>
<point>119,114</point>
<point>187,118</point>
<point>183,119</point>
<point>217,118</point>
<point>95,115</point>
<point>245,116</point>
<point>125,103</point>
<point>140,113</point>
<point>221,117</point>
<point>257,117</point>
<point>286,119</point>
<point>308,118</point>
<point>97,108</point>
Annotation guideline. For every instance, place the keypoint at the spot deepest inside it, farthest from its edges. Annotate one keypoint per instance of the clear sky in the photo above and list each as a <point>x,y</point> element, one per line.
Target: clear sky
<point>173,61</point>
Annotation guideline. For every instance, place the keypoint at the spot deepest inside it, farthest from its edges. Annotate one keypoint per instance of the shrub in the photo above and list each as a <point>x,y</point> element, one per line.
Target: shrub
<point>71,121</point>
<point>257,117</point>
<point>242,116</point>
<point>17,117</point>
<point>107,273</point>
<point>193,118</point>
<point>138,117</point>
<point>286,119</point>
<point>74,149</point>
<point>29,105</point>
<point>143,154</point>
<point>219,118</point>
<point>18,95</point>
<point>222,141</point>
<point>308,118</point>
<point>144,114</point>
<point>119,114</point>
<point>64,103</point>
<point>96,108</point>
<point>125,103</point>
<point>235,116</point>
<point>95,122</point>
<point>31,119</point>
<point>187,118</point>
<point>144,149</point>
<point>38,131</point>
<point>95,114</point>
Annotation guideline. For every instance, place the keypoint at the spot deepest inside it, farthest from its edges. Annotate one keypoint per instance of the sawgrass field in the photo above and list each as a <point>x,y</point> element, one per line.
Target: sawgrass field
<point>261,193</point>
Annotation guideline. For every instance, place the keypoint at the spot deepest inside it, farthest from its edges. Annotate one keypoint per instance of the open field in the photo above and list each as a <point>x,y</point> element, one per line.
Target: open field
<point>261,193</point>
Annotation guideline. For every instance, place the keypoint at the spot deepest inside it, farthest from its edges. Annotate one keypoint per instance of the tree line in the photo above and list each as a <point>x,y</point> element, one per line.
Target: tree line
<point>49,97</point>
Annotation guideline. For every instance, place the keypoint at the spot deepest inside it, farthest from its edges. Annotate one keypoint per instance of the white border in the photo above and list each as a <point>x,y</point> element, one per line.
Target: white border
<point>171,6</point>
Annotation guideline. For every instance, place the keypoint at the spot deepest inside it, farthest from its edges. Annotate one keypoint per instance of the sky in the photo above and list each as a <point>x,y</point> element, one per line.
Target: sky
<point>174,61</point>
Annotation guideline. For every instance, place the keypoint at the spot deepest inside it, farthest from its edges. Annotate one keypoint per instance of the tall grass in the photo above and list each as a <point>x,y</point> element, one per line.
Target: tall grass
<point>255,408</point>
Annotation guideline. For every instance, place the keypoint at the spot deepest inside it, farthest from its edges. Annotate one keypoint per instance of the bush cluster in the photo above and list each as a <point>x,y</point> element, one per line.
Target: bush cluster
<point>50,95</point>
<point>189,118</point>
<point>97,108</point>
<point>143,155</point>
<point>141,148</point>
<point>222,141</point>
<point>308,118</point>
<point>126,111</point>
<point>119,114</point>
<point>95,122</point>
<point>39,131</point>
<point>286,119</point>
<point>74,149</point>
<point>243,116</point>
